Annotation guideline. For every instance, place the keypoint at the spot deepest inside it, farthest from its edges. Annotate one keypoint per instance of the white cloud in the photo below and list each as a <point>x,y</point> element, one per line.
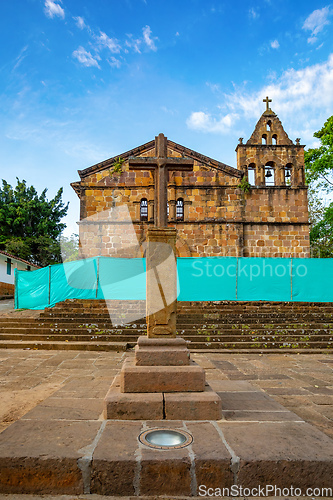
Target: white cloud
<point>275,44</point>
<point>315,23</point>
<point>133,43</point>
<point>214,87</point>
<point>53,9</point>
<point>20,58</point>
<point>111,43</point>
<point>85,57</point>
<point>304,98</point>
<point>147,38</point>
<point>114,63</point>
<point>253,14</point>
<point>80,22</point>
<point>204,122</point>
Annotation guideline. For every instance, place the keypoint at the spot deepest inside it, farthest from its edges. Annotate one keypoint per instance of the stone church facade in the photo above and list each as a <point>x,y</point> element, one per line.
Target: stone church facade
<point>258,209</point>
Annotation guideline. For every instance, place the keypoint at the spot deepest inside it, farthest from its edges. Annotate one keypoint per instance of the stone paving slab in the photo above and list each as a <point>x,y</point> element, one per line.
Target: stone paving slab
<point>140,497</point>
<point>42,456</point>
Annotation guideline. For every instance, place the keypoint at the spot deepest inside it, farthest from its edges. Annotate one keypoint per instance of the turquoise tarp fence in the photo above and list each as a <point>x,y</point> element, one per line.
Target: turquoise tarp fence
<point>199,279</point>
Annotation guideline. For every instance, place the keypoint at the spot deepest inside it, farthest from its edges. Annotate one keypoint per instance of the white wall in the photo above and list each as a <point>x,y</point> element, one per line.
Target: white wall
<point>16,264</point>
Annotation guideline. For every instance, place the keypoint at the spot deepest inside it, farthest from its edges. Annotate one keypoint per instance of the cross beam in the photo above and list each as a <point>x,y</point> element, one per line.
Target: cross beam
<point>161,164</point>
<point>267,101</point>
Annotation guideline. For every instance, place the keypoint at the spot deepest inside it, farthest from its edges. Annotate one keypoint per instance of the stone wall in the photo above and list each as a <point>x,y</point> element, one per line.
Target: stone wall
<point>7,289</point>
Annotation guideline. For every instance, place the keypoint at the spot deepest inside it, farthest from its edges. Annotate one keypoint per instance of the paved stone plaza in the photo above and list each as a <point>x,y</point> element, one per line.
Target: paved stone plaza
<point>301,383</point>
<point>65,390</point>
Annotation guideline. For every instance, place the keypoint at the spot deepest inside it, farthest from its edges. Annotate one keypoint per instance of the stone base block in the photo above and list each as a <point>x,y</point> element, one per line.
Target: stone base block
<point>161,352</point>
<point>205,405</point>
<point>126,406</point>
<point>161,378</point>
<point>162,406</point>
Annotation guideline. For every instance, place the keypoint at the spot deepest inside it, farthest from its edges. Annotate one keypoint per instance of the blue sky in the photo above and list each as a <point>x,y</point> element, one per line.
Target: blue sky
<point>82,81</point>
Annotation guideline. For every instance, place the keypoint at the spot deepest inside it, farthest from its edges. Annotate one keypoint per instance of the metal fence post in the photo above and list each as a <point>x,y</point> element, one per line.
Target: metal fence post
<point>49,285</point>
<point>291,279</point>
<point>15,290</point>
<point>237,279</point>
<point>97,281</point>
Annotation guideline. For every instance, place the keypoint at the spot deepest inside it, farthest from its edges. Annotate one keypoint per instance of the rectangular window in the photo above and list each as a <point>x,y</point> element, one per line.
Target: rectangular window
<point>252,180</point>
<point>9,266</point>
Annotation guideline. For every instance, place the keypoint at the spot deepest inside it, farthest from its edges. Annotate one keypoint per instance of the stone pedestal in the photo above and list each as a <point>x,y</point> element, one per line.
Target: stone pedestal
<point>161,383</point>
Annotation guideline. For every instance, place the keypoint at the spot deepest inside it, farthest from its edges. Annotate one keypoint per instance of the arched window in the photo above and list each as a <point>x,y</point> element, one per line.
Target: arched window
<point>264,139</point>
<point>274,139</point>
<point>144,209</point>
<point>180,209</point>
<point>168,209</point>
<point>268,125</point>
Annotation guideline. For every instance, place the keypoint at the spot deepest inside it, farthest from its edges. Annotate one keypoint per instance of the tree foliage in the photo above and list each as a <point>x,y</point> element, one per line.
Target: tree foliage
<point>319,175</point>
<point>69,247</point>
<point>321,226</point>
<point>319,161</point>
<point>30,224</point>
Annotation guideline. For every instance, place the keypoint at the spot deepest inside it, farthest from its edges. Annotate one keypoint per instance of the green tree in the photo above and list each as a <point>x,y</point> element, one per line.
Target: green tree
<point>321,226</point>
<point>319,175</point>
<point>69,247</point>
<point>319,161</point>
<point>30,224</point>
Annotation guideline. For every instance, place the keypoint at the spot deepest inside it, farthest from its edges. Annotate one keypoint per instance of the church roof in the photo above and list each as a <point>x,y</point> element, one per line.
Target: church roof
<point>139,150</point>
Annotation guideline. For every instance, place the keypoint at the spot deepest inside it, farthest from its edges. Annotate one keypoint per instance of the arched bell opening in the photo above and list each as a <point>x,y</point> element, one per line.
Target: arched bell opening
<point>269,174</point>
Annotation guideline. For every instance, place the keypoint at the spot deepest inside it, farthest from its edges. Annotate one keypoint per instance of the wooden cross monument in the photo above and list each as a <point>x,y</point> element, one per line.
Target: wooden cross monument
<point>161,370</point>
<point>161,266</point>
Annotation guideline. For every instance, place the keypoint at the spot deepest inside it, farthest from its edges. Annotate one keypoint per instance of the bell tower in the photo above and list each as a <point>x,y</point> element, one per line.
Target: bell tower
<point>269,158</point>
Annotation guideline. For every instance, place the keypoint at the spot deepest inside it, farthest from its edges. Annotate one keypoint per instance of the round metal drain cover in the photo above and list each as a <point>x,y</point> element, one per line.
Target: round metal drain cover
<point>165,438</point>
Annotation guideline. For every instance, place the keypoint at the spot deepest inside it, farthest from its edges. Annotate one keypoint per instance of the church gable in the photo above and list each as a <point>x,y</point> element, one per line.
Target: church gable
<point>269,130</point>
<point>206,171</point>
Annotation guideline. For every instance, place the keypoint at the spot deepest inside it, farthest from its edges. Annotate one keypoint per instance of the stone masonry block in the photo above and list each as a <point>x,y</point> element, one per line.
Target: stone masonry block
<point>161,378</point>
<point>129,406</point>
<point>205,405</point>
<point>161,352</point>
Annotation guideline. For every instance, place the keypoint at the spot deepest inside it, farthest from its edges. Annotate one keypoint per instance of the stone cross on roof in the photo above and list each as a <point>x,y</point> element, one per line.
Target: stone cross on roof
<point>267,101</point>
<point>161,164</point>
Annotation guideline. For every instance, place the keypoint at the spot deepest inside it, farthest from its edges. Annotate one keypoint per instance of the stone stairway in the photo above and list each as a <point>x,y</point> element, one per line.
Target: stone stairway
<point>237,326</point>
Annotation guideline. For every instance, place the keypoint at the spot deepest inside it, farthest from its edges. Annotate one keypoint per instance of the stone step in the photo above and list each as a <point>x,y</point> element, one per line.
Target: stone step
<point>198,332</point>
<point>193,317</point>
<point>99,345</point>
<point>210,324</point>
<point>269,318</point>
<point>58,337</point>
<point>72,331</point>
<point>215,344</point>
<point>255,326</point>
<point>66,345</point>
<point>130,337</point>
